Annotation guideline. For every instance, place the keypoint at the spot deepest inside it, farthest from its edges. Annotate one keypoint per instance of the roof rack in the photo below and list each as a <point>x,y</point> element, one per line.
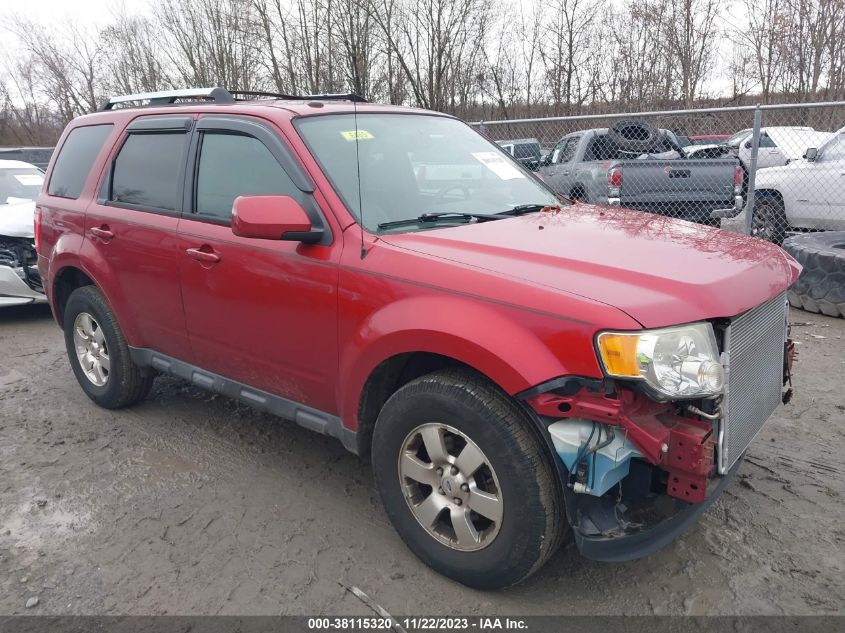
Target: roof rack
<point>344,96</point>
<point>218,95</point>
<point>167,97</point>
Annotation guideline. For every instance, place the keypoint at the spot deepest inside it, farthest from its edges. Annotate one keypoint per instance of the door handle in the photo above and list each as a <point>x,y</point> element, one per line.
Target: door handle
<point>203,254</point>
<point>566,173</point>
<point>103,232</point>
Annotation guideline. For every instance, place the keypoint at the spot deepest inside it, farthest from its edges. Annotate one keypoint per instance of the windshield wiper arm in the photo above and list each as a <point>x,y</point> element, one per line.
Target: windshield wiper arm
<point>522,209</point>
<point>436,217</point>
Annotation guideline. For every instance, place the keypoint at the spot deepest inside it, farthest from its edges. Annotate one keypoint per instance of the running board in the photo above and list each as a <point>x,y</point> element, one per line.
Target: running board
<point>305,416</point>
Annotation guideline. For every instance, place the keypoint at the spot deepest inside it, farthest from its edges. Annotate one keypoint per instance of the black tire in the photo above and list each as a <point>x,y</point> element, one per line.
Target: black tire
<point>126,383</point>
<point>821,286</point>
<point>769,220</point>
<point>634,136</point>
<point>533,523</point>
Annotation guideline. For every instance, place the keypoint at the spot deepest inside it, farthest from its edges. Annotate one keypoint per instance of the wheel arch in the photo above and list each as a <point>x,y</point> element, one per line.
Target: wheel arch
<point>412,337</point>
<point>68,279</point>
<point>578,188</point>
<point>387,378</point>
<point>71,273</point>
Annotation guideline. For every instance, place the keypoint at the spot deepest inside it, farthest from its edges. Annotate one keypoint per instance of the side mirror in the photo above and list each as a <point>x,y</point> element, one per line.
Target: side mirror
<point>811,154</point>
<point>546,160</point>
<point>272,218</point>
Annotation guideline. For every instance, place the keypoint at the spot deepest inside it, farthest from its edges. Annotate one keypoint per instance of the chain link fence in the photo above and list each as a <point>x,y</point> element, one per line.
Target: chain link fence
<point>769,171</point>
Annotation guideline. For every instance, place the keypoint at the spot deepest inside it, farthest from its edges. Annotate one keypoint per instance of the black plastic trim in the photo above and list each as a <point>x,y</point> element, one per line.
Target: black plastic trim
<point>614,549</point>
<point>566,385</point>
<point>305,416</point>
<point>166,123</point>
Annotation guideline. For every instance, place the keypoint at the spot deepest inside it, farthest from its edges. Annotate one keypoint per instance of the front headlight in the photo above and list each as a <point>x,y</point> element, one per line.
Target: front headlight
<point>676,362</point>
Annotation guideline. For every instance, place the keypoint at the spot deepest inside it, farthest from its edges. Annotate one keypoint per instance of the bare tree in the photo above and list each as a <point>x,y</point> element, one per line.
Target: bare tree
<point>692,35</point>
<point>211,42</point>
<point>133,61</point>
<point>570,39</point>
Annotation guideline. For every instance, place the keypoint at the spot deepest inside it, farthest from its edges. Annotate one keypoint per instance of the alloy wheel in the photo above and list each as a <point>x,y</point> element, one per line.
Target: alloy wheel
<point>91,349</point>
<point>450,487</point>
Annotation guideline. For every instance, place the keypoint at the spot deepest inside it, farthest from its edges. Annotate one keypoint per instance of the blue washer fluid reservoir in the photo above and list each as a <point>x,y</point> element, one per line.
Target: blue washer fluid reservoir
<point>612,462</point>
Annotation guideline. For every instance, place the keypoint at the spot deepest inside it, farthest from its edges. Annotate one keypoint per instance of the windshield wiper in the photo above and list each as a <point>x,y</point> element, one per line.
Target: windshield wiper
<point>436,217</point>
<point>522,209</point>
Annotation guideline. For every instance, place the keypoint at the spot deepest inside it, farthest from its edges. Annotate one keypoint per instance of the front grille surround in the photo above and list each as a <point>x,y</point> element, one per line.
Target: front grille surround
<point>753,360</point>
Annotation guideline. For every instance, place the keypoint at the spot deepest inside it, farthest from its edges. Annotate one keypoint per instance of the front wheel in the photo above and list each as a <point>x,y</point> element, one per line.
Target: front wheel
<point>465,480</point>
<point>769,219</point>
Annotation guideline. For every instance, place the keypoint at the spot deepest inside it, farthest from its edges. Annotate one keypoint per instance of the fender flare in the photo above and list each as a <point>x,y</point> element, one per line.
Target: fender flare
<point>483,338</point>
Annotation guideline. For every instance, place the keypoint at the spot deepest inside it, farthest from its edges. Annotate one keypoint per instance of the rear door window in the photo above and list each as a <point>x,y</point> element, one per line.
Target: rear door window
<point>568,152</point>
<point>148,171</point>
<point>232,165</point>
<point>558,149</point>
<point>767,141</point>
<point>75,160</point>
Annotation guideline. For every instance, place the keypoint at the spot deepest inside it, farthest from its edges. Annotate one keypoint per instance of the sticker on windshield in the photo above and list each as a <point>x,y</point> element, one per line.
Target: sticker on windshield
<point>30,180</point>
<point>361,135</point>
<point>498,165</point>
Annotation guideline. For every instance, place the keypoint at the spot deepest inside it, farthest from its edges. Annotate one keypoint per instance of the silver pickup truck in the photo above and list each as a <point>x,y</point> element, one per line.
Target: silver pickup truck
<point>646,171</point>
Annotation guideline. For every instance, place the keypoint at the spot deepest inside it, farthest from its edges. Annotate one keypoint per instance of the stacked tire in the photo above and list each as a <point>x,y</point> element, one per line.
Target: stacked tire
<point>821,286</point>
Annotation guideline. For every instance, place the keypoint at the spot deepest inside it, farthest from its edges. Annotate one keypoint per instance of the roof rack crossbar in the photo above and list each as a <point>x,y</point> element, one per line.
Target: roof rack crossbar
<point>347,96</point>
<point>218,95</point>
<point>166,97</point>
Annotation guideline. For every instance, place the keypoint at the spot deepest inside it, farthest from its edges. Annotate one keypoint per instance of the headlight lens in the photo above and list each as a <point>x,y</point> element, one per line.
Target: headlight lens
<point>676,362</point>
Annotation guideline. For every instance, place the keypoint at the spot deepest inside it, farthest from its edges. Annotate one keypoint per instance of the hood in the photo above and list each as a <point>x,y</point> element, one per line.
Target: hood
<point>658,270</point>
<point>17,219</point>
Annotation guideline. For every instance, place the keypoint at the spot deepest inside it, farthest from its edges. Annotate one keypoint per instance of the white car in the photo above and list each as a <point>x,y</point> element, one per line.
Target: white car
<point>805,194</point>
<point>778,145</point>
<point>20,282</point>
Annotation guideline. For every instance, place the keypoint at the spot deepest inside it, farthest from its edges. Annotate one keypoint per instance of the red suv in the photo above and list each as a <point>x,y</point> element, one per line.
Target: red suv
<point>520,369</point>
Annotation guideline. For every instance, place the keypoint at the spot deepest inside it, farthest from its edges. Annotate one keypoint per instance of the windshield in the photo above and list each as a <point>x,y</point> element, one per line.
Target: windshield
<point>737,138</point>
<point>20,184</point>
<point>526,150</point>
<point>412,165</point>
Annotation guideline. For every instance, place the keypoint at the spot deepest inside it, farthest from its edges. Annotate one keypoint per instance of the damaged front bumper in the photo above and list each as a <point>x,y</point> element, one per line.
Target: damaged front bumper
<point>20,282</point>
<point>602,534</point>
<point>14,289</point>
<point>637,473</point>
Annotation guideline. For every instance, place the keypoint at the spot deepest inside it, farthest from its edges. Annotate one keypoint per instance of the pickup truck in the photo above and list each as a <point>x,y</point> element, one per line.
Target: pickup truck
<point>806,195</point>
<point>592,166</point>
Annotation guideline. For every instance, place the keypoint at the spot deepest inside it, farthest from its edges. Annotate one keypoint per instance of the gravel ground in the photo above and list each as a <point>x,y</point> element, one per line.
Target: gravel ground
<point>193,504</point>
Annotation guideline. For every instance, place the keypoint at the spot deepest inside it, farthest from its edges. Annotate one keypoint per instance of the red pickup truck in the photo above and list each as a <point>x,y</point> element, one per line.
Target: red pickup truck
<point>520,369</point>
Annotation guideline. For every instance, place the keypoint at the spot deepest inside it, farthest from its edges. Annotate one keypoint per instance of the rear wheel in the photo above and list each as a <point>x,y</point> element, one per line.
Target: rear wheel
<point>98,353</point>
<point>465,480</point>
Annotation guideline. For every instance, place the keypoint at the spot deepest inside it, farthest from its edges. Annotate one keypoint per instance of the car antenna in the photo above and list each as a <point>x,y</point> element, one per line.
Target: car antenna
<point>358,173</point>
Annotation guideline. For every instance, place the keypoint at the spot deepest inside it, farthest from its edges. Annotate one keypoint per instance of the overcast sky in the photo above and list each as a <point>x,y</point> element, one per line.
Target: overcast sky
<point>96,11</point>
<point>99,13</point>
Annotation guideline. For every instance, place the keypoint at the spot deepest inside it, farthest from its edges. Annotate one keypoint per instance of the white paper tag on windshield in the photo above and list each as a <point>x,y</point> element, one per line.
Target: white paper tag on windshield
<point>499,165</point>
<point>29,180</point>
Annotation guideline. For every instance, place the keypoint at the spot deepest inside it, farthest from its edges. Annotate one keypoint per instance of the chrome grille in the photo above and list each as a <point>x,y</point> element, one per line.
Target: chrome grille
<point>753,351</point>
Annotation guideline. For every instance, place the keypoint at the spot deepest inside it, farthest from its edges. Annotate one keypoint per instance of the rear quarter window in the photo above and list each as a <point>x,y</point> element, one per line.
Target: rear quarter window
<point>76,158</point>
